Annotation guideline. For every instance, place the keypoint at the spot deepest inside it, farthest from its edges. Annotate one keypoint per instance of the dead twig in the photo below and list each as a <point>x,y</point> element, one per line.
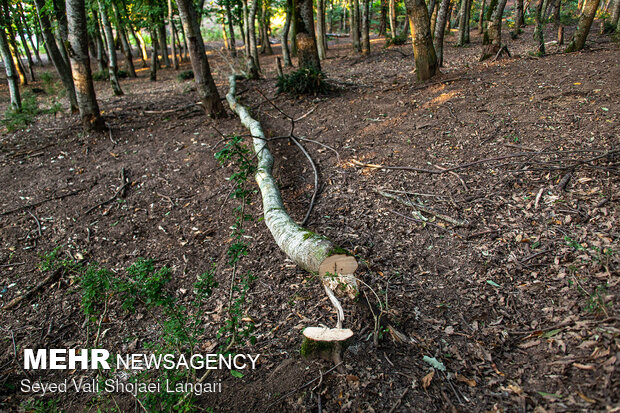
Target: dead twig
<point>37,221</point>
<point>15,302</point>
<point>316,179</point>
<point>399,401</point>
<point>35,204</point>
<point>116,194</point>
<point>455,222</point>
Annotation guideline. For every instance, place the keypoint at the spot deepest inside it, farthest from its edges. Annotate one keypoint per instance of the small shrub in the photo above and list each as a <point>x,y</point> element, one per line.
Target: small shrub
<point>121,74</point>
<point>100,75</point>
<point>46,77</point>
<point>398,40</point>
<point>185,75</point>
<point>20,118</point>
<point>305,81</point>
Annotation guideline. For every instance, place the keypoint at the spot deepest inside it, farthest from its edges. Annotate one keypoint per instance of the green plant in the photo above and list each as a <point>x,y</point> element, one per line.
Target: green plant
<point>596,302</point>
<point>235,328</point>
<point>185,75</point>
<point>15,119</point>
<point>122,74</point>
<point>397,40</point>
<point>40,406</point>
<point>304,81</point>
<point>100,75</point>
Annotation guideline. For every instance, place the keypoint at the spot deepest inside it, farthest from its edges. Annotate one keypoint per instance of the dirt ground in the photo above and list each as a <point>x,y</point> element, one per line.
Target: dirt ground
<point>519,302</point>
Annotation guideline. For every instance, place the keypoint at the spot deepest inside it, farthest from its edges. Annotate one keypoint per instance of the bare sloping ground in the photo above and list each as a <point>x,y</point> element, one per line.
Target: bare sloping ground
<point>519,304</point>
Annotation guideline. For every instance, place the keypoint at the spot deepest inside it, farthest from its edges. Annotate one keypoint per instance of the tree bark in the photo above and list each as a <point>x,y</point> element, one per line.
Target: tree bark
<point>615,14</point>
<point>9,66</point>
<point>312,252</point>
<point>481,17</point>
<point>231,29</point>
<point>22,16</point>
<point>154,56</point>
<point>254,63</point>
<point>163,43</point>
<point>440,29</point>
<point>306,40</point>
<point>519,16</point>
<point>320,28</point>
<point>424,52</point>
<point>64,71</point>
<point>22,37</point>
<point>200,64</point>
<point>144,56</point>
<point>538,30</point>
<point>463,23</point>
<point>583,27</point>
<point>492,40</point>
<point>355,25</point>
<point>109,36</point>
<point>122,33</point>
<point>80,66</point>
<point>383,19</point>
<point>175,60</point>
<point>365,20</point>
<point>264,29</point>
<point>102,57</point>
<point>392,19</point>
<point>286,54</point>
<point>63,30</point>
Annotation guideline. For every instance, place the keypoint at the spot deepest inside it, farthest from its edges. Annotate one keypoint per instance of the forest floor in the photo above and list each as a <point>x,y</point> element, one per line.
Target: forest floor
<point>519,302</point>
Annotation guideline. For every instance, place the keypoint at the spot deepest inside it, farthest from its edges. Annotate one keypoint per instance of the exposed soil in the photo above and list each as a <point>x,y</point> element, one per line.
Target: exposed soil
<point>519,303</point>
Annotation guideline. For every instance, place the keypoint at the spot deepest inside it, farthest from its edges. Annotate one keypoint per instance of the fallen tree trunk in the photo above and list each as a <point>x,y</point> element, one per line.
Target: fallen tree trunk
<point>312,252</point>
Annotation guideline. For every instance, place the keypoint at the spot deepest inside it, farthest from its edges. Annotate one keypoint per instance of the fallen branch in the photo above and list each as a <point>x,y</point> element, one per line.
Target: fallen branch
<point>35,204</point>
<point>15,302</point>
<point>422,208</point>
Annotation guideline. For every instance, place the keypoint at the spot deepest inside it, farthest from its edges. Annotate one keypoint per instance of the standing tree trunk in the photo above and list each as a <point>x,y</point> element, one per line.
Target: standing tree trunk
<point>365,18</point>
<point>306,40</point>
<point>392,14</point>
<point>62,29</point>
<point>163,43</point>
<point>538,30</point>
<point>583,27</point>
<point>137,36</point>
<point>434,17</point>
<point>320,28</point>
<point>481,17</point>
<point>200,64</point>
<point>423,50</point>
<point>463,23</point>
<point>253,63</point>
<point>102,57</point>
<point>492,39</point>
<point>440,29</point>
<point>231,29</point>
<point>383,18</point>
<point>22,37</point>
<point>615,14</point>
<point>122,33</point>
<point>154,55</point>
<point>519,16</point>
<point>9,66</point>
<point>355,25</point>
<point>109,37</point>
<point>286,54</point>
<point>264,29</point>
<point>80,66</point>
<point>175,60</point>
<point>24,22</point>
<point>64,71</point>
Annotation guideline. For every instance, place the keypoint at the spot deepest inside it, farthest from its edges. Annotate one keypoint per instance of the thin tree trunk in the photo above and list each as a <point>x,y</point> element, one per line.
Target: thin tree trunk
<point>538,30</point>
<point>24,24</point>
<point>102,57</point>
<point>137,37</point>
<point>583,27</point>
<point>231,29</point>
<point>463,23</point>
<point>109,36</point>
<point>179,44</point>
<point>392,19</point>
<point>205,85</point>
<point>555,15</point>
<point>264,27</point>
<point>492,40</point>
<point>382,20</point>
<point>154,56</point>
<point>286,55</point>
<point>9,66</point>
<point>355,25</point>
<point>17,61</point>
<point>305,38</point>
<point>64,71</point>
<point>22,37</point>
<point>80,66</point>
<point>175,60</point>
<point>440,29</point>
<point>320,26</point>
<point>163,43</point>
<point>519,16</point>
<point>481,17</point>
<point>365,18</point>
<point>122,32</point>
<point>435,11</point>
<point>424,52</point>
<point>62,28</point>
<point>254,65</point>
